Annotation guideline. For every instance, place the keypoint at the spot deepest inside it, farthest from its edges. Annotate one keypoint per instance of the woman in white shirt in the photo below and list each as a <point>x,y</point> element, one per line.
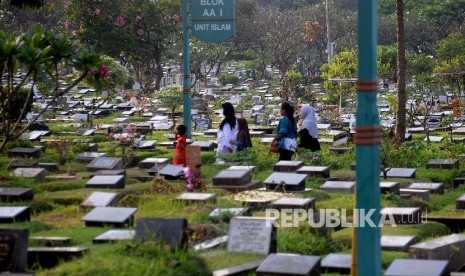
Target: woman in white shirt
<point>227,131</point>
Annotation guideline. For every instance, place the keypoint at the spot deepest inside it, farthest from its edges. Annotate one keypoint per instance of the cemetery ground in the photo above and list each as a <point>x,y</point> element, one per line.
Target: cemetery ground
<point>56,211</point>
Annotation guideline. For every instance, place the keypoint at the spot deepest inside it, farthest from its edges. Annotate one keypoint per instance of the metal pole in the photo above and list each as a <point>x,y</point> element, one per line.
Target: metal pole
<point>328,37</point>
<point>186,84</point>
<point>367,139</point>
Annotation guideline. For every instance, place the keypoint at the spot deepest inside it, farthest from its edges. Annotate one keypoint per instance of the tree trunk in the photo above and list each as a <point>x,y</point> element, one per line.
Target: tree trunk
<point>401,70</point>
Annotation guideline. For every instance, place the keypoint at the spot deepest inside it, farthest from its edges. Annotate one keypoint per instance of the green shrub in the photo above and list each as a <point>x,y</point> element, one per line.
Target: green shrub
<point>228,79</point>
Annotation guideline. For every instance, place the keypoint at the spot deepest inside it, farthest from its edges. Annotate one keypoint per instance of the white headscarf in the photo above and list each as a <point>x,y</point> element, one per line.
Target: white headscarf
<point>307,115</point>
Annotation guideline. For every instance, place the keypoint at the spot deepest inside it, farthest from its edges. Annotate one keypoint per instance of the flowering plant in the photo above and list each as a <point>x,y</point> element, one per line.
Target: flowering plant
<point>193,180</point>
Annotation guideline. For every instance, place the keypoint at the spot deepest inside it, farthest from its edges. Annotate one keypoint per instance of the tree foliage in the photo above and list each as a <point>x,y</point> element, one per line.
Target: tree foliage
<point>170,97</point>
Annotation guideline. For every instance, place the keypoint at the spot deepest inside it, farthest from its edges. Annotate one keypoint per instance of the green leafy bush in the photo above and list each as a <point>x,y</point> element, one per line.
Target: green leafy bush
<point>228,79</point>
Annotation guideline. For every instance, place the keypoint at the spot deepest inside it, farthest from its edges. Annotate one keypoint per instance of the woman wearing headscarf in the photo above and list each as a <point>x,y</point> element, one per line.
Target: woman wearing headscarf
<point>243,135</point>
<point>227,131</point>
<point>286,136</point>
<point>308,130</point>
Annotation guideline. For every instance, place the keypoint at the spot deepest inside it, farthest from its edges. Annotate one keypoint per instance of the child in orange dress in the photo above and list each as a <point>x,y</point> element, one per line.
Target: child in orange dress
<point>179,157</point>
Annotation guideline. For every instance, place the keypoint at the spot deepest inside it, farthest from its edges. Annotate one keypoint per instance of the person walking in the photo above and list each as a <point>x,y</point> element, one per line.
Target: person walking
<point>307,129</point>
<point>227,131</point>
<point>243,140</point>
<point>286,132</point>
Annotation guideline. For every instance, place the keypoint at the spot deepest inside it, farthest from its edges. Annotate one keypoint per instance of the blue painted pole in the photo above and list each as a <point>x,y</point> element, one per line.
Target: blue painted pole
<point>367,139</point>
<point>186,84</point>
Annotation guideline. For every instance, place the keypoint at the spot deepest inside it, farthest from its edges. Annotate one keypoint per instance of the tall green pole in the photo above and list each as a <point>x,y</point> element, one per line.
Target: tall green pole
<point>367,139</point>
<point>186,84</point>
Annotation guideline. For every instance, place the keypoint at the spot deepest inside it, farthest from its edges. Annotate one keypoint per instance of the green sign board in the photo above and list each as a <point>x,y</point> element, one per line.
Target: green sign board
<point>213,20</point>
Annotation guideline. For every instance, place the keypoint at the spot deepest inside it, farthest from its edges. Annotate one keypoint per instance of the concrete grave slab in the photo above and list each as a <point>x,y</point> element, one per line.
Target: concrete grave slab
<point>397,243</point>
<point>413,267</point>
<point>99,199</point>
<point>106,181</point>
<point>290,264</point>
<point>252,235</point>
<point>114,216</point>
<point>35,173</point>
<point>292,181</point>
<point>336,262</point>
<point>339,186</point>
<point>9,214</point>
<point>315,171</point>
<point>114,236</point>
<point>437,188</point>
<point>287,166</point>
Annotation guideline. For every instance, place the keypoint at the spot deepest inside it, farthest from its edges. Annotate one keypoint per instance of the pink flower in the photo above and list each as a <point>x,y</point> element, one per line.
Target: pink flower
<point>97,12</point>
<point>120,21</point>
<point>140,32</point>
<point>138,19</point>
<point>176,18</point>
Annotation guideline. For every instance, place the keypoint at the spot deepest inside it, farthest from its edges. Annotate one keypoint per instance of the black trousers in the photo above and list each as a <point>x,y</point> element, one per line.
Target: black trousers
<point>285,154</point>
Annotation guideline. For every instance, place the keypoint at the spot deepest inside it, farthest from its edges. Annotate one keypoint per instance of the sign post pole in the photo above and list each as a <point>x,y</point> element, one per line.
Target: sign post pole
<point>186,84</point>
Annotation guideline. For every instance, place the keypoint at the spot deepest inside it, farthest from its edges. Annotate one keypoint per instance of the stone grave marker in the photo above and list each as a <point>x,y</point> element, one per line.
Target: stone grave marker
<point>99,199</point>
<point>293,203</point>
<point>204,145</point>
<point>172,172</point>
<point>232,178</point>
<point>424,194</point>
<point>460,203</point>
<point>242,269</point>
<point>434,139</point>
<point>390,187</point>
<point>114,216</point>
<point>24,152</point>
<point>401,173</point>
<point>9,214</point>
<point>287,166</point>
<point>449,248</point>
<point>48,257</point>
<point>148,163</point>
<point>443,164</point>
<point>13,244</point>
<point>339,186</point>
<point>403,267</point>
<point>170,230</point>
<point>336,262</point>
<point>403,215</point>
<point>397,243</point>
<point>252,235</point>
<point>114,236</point>
<point>35,173</point>
<point>203,124</point>
<point>105,163</point>
<point>211,243</point>
<point>106,181</point>
<point>22,163</point>
<point>241,168</point>
<point>219,212</point>
<point>196,198</point>
<point>86,157</point>
<point>292,181</point>
<point>437,188</point>
<point>15,194</point>
<point>51,241</point>
<point>145,145</point>
<point>290,264</point>
<point>314,171</point>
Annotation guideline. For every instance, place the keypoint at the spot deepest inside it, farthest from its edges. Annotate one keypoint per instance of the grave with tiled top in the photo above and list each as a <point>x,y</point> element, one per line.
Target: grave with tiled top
<point>314,171</point>
<point>290,264</point>
<point>106,181</point>
<point>335,262</point>
<point>105,163</point>
<point>252,235</point>
<point>397,243</point>
<point>171,172</point>
<point>170,230</point>
<point>293,203</point>
<point>148,163</point>
<point>48,257</point>
<point>196,198</point>
<point>401,173</point>
<point>443,164</point>
<point>9,214</point>
<point>235,180</point>
<point>112,216</point>
<point>460,202</point>
<point>15,194</point>
<point>423,194</point>
<point>100,199</point>
<point>404,267</point>
<point>86,157</point>
<point>287,166</point>
<point>145,144</point>
<point>403,215</point>
<point>35,173</point>
<point>114,236</point>
<point>204,145</point>
<point>24,152</point>
<point>436,188</point>
<point>450,248</point>
<point>291,181</point>
<point>390,187</point>
<point>339,186</point>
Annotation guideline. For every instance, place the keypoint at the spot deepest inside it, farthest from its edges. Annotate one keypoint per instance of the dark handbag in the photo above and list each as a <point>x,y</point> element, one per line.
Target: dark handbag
<point>274,147</point>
